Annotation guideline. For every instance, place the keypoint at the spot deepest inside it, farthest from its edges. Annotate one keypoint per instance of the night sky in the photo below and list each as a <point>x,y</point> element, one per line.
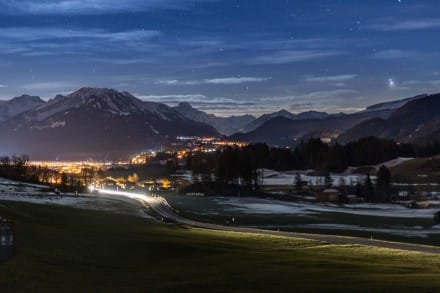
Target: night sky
<point>225,57</point>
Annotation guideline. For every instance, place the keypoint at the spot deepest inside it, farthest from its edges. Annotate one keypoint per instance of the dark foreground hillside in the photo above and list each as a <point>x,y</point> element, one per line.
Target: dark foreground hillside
<point>69,250</point>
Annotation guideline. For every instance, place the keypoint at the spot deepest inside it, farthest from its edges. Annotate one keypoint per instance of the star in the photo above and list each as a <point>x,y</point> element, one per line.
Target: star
<point>391,83</point>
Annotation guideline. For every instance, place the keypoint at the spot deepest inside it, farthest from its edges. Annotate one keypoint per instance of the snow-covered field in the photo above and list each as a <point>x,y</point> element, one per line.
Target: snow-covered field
<point>269,206</point>
<point>38,194</point>
<point>357,219</point>
<point>391,219</point>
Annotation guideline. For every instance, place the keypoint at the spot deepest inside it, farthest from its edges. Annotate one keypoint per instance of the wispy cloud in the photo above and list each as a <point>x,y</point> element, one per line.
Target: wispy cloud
<point>316,95</point>
<point>327,100</point>
<point>422,83</point>
<point>124,61</point>
<point>218,81</point>
<point>331,100</point>
<point>43,41</point>
<point>407,25</point>
<point>284,57</point>
<point>3,86</point>
<point>198,100</point>
<point>235,80</point>
<point>51,86</point>
<point>176,82</point>
<point>331,78</point>
<point>392,54</point>
<point>89,7</point>
<point>47,33</point>
<point>166,98</point>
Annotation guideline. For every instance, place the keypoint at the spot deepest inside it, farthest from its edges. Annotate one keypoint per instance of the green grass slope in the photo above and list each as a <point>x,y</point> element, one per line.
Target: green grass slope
<point>61,249</point>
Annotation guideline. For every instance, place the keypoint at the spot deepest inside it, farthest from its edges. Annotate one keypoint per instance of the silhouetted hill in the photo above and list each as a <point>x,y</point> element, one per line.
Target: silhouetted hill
<point>224,125</point>
<point>417,121</point>
<point>283,131</point>
<point>393,105</point>
<point>283,113</point>
<point>18,105</point>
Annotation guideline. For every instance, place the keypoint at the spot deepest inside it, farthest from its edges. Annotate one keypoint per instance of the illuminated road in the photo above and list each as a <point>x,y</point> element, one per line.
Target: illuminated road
<point>161,207</point>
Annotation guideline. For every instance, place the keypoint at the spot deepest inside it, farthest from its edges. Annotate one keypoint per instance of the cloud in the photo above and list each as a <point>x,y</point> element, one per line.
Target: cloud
<point>316,95</point>
<point>89,7</point>
<point>199,98</point>
<point>408,25</point>
<point>3,86</point>
<point>235,80</point>
<point>200,101</point>
<point>45,41</point>
<point>334,100</point>
<point>175,82</point>
<point>124,61</point>
<point>51,85</point>
<point>392,54</point>
<point>432,84</point>
<point>166,98</point>
<point>215,81</point>
<point>48,33</point>
<point>283,57</point>
<point>331,78</point>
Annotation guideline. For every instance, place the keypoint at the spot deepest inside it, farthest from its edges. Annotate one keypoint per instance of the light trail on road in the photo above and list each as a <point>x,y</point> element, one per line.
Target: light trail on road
<point>162,208</point>
<point>137,196</point>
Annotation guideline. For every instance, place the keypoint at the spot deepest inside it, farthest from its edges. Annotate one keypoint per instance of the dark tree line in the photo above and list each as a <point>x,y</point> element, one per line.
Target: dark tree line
<point>324,158</point>
<point>240,165</point>
<point>233,165</point>
<point>379,192</point>
<point>18,168</point>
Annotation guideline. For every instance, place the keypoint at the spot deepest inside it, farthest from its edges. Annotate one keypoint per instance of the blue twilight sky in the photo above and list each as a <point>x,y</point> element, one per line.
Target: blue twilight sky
<point>224,56</point>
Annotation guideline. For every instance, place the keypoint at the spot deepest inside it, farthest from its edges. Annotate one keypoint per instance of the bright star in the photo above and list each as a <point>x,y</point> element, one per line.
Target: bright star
<point>391,83</point>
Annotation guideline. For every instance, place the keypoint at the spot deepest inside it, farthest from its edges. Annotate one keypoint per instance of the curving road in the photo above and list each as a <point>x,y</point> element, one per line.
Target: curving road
<point>161,207</point>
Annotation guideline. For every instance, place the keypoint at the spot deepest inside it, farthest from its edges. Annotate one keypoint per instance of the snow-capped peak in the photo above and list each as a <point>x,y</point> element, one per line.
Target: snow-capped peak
<point>102,99</point>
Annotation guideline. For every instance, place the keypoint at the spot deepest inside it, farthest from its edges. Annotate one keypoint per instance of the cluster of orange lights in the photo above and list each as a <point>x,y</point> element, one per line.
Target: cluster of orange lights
<point>230,143</point>
<point>68,167</point>
<point>209,146</point>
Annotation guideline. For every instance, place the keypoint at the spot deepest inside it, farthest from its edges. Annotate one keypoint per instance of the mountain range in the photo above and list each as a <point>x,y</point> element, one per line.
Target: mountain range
<point>417,121</point>
<point>285,131</point>
<point>95,123</point>
<point>224,125</point>
<point>285,114</point>
<point>18,105</point>
<point>107,124</point>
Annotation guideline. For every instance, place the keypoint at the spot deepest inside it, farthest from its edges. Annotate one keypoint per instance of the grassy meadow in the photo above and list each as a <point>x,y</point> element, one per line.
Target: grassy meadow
<point>62,249</point>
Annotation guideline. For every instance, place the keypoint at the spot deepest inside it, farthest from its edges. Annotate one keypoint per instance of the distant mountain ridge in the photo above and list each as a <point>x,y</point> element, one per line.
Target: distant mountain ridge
<point>392,105</point>
<point>18,105</point>
<point>224,125</point>
<point>244,123</point>
<point>285,131</point>
<point>107,124</point>
<point>283,113</point>
<point>282,131</point>
<point>417,121</point>
<point>95,123</point>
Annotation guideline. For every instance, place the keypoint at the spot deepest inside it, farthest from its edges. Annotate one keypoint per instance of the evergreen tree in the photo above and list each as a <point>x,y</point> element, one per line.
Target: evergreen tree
<point>383,184</point>
<point>328,180</point>
<point>368,189</point>
<point>298,183</point>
